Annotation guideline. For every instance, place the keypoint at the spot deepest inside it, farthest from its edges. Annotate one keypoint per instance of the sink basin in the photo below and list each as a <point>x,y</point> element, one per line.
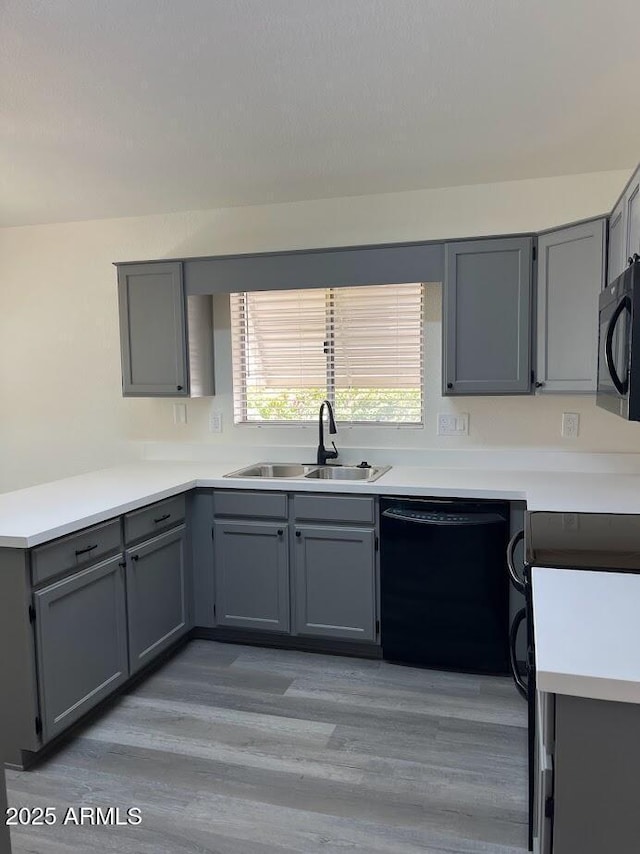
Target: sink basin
<point>309,470</point>
<point>273,470</point>
<point>347,473</point>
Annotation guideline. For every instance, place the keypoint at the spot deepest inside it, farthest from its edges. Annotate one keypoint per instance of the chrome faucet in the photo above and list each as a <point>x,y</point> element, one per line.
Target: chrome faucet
<point>323,453</point>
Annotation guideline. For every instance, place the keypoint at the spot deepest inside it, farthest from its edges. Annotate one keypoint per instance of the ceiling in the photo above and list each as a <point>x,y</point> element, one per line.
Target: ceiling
<point>133,107</point>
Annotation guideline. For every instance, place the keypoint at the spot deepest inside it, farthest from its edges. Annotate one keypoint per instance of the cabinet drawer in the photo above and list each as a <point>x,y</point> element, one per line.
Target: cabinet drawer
<point>153,519</point>
<point>334,508</point>
<point>76,550</point>
<point>265,505</point>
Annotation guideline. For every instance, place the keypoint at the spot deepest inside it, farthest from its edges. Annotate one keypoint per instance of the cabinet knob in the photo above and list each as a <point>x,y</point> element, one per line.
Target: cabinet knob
<point>280,532</point>
<point>539,385</point>
<point>123,564</point>
<point>449,385</point>
<point>135,557</point>
<point>298,534</point>
<point>179,387</point>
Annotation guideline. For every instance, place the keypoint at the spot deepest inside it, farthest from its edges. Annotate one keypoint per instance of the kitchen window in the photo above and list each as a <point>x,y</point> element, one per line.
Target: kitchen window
<point>360,347</point>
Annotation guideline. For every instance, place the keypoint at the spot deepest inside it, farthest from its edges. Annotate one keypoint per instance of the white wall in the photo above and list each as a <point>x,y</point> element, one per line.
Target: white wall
<point>62,412</point>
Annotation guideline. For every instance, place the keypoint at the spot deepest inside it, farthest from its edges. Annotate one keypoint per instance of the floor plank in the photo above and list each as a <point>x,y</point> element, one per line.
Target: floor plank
<point>240,750</point>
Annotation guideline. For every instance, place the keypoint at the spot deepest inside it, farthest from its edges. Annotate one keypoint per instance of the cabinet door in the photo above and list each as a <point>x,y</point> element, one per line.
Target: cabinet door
<point>570,278</point>
<point>595,766</point>
<point>632,207</point>
<point>5,833</point>
<point>152,330</point>
<point>335,582</point>
<point>156,596</point>
<point>487,317</point>
<point>616,261</point>
<point>251,561</point>
<point>81,643</point>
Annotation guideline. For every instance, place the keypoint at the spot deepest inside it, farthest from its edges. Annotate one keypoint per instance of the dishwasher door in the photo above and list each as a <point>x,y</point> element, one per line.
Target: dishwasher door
<point>444,584</point>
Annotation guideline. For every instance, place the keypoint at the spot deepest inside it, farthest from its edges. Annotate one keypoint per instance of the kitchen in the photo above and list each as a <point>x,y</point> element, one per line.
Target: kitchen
<point>60,282</point>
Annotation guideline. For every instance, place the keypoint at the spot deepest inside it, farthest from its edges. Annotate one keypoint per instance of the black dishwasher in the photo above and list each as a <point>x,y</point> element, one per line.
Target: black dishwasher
<point>444,583</point>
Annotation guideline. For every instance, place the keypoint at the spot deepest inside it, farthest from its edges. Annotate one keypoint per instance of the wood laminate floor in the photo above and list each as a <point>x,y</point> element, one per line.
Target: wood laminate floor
<point>239,750</point>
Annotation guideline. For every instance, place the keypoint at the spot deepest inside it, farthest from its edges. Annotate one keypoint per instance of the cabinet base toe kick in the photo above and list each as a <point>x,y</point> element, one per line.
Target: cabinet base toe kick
<point>328,646</point>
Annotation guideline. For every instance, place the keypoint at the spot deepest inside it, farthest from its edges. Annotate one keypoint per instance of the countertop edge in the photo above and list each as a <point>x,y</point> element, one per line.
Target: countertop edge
<point>30,539</point>
<point>588,687</point>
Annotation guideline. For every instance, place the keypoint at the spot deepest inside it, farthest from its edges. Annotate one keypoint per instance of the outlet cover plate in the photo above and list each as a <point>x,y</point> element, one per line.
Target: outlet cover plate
<point>570,425</point>
<point>215,422</point>
<point>179,413</point>
<point>453,424</point>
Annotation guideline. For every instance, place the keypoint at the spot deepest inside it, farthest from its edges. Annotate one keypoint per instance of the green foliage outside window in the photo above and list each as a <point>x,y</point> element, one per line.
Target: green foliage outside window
<point>363,404</point>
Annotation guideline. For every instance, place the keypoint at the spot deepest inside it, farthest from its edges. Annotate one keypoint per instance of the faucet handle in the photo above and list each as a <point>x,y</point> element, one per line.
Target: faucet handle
<point>335,450</point>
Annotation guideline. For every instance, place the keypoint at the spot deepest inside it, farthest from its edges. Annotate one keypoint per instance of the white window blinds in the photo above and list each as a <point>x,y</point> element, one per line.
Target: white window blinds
<point>360,347</point>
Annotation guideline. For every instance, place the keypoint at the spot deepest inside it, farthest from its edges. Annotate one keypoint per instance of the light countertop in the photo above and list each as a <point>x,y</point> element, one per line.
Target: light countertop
<point>587,633</point>
<point>586,623</point>
<point>40,513</point>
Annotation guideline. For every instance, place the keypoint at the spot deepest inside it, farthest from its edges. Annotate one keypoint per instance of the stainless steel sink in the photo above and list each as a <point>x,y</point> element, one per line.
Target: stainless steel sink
<point>308,470</point>
<point>273,470</point>
<point>347,473</point>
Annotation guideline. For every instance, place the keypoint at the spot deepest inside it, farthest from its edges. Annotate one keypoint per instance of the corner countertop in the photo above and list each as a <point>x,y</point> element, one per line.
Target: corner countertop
<point>587,633</point>
<point>40,513</point>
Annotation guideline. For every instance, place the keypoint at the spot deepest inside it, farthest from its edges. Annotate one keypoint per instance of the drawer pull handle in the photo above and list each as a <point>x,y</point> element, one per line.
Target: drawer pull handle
<point>162,518</point>
<point>84,551</point>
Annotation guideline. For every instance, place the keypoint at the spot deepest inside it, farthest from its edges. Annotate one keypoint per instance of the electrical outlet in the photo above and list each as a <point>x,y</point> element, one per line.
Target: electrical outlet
<point>450,424</point>
<point>570,425</point>
<point>179,413</point>
<point>215,422</point>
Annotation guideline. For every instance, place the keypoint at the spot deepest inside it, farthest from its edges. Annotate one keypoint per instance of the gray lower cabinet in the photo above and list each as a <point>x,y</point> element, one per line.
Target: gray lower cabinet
<point>81,640</point>
<point>571,272</point>
<point>595,777</point>
<point>487,317</point>
<point>251,561</point>
<point>334,576</point>
<point>5,833</point>
<point>81,615</point>
<point>543,747</point>
<point>156,596</point>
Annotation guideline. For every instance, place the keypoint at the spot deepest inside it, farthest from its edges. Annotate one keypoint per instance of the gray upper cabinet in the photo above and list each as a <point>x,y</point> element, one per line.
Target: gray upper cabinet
<point>571,271</point>
<point>616,242</point>
<point>156,596</point>
<point>153,330</point>
<point>487,317</point>
<point>624,228</point>
<point>81,641</point>
<point>334,575</point>
<point>251,561</point>
<point>632,204</point>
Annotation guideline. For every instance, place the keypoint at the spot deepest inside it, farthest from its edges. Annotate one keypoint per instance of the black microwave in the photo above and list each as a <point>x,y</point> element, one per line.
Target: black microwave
<point>619,345</point>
